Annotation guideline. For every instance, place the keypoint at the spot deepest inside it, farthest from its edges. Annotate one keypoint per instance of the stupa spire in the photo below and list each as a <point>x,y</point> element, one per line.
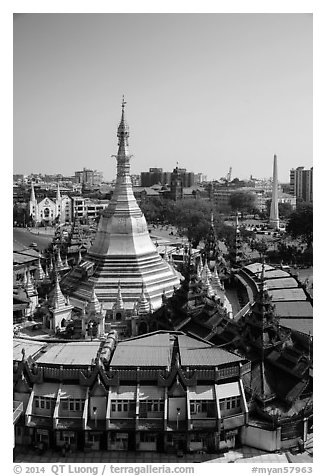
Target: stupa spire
<point>29,285</point>
<point>93,305</point>
<point>59,260</point>
<point>59,301</point>
<point>66,264</point>
<point>123,157</point>
<point>119,305</point>
<point>39,271</point>
<point>206,272</point>
<point>143,306</point>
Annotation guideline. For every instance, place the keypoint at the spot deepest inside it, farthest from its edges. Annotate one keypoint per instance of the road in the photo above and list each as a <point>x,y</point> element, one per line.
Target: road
<point>23,238</point>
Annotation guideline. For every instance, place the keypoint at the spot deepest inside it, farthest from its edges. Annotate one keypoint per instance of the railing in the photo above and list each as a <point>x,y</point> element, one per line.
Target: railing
<point>17,409</point>
<point>242,311</point>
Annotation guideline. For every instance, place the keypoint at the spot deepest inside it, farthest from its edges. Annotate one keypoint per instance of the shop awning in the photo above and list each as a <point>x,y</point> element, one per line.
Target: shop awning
<point>227,390</point>
<point>123,392</point>
<point>201,392</point>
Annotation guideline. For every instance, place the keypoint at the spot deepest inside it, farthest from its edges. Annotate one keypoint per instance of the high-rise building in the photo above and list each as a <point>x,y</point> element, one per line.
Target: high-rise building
<point>156,175</point>
<point>301,183</point>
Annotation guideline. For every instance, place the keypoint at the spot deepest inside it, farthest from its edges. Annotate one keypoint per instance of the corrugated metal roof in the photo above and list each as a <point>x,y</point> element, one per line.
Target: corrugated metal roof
<point>149,392</point>
<point>193,352</point>
<point>281,283</point>
<point>256,267</point>
<point>150,351</point>
<point>276,273</point>
<point>70,353</point>
<point>201,392</point>
<point>289,294</point>
<point>73,391</point>
<point>226,390</point>
<point>19,258</point>
<point>301,325</point>
<point>294,309</point>
<point>124,392</point>
<point>46,389</point>
<point>31,348</point>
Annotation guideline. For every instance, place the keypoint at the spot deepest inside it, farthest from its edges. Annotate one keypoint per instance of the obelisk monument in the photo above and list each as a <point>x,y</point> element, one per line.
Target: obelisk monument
<point>274,221</point>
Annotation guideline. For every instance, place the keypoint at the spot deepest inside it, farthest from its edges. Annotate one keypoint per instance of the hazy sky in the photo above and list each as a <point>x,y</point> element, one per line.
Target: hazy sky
<point>207,90</point>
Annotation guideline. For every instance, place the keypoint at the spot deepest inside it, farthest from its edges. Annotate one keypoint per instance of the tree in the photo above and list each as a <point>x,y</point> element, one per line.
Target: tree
<point>243,201</point>
<point>192,218</point>
<point>300,223</point>
<point>284,209</point>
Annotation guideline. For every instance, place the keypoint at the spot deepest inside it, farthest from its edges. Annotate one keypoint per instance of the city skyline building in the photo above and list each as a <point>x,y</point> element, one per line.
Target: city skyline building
<point>301,183</point>
<point>89,177</point>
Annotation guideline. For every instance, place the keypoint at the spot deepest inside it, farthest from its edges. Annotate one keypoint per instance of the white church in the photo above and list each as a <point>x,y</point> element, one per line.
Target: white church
<point>47,211</point>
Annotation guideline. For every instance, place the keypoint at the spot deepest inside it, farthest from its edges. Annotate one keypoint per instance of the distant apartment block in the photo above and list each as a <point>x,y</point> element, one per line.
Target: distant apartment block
<point>301,183</point>
<point>200,178</point>
<point>87,208</point>
<point>89,177</point>
<point>156,175</point>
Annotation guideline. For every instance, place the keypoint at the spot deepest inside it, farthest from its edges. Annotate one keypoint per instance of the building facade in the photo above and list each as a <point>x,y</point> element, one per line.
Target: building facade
<point>89,177</point>
<point>48,211</point>
<point>156,175</point>
<point>301,183</point>
<point>87,208</point>
<point>160,392</point>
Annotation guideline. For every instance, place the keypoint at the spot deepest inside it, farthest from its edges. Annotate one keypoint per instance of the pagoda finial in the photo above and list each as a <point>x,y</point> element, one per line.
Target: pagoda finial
<point>123,102</point>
